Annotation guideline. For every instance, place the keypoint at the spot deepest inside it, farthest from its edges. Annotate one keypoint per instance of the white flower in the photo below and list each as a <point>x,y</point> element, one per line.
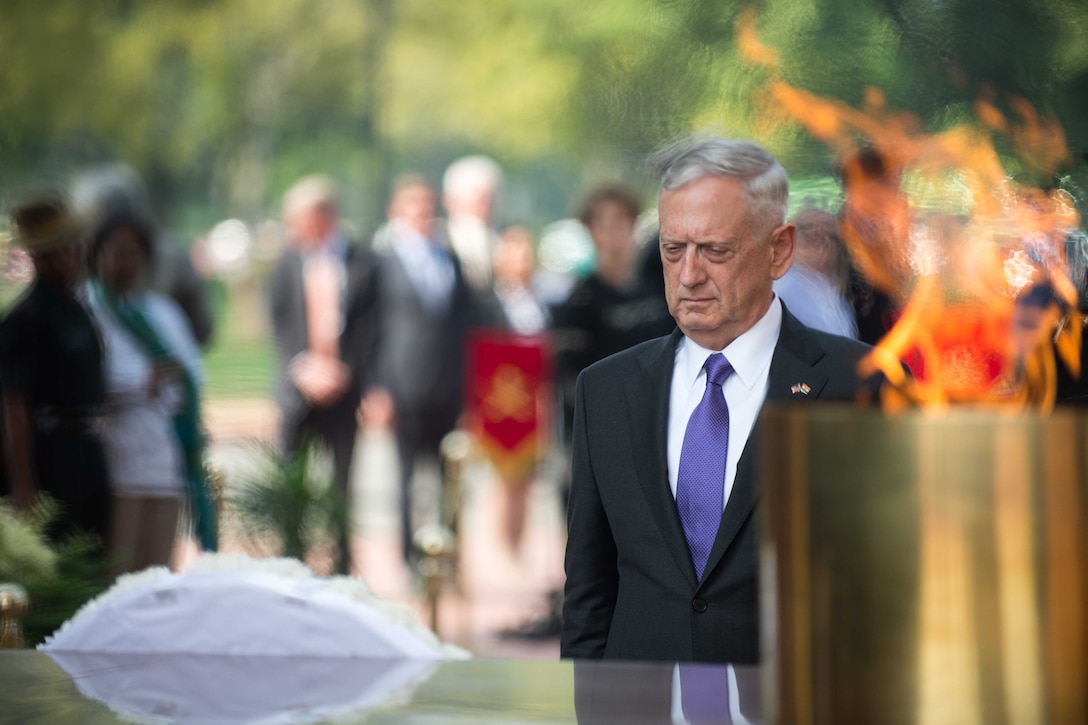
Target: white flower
<point>286,568</point>
<point>453,652</point>
<point>303,581</point>
<point>124,583</point>
<point>352,588</point>
<point>395,612</point>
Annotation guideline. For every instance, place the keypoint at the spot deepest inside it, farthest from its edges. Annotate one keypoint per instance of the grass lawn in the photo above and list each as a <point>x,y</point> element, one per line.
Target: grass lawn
<point>238,369</point>
<point>241,361</point>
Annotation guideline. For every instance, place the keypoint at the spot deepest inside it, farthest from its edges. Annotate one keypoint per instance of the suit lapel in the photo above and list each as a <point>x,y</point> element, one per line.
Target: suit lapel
<point>355,269</point>
<point>792,364</point>
<point>647,397</point>
<point>296,293</point>
<point>400,289</point>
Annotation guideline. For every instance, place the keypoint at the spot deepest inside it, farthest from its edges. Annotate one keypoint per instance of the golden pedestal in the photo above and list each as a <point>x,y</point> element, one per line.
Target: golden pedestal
<point>925,568</point>
<point>14,604</point>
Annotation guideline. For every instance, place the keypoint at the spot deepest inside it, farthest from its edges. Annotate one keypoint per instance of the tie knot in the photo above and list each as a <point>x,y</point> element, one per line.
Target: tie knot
<point>717,369</point>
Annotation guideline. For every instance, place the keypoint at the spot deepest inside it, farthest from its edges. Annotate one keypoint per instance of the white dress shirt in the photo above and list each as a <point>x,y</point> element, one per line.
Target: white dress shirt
<point>332,250</point>
<point>334,246</point>
<point>745,389</point>
<point>523,311</point>
<point>428,266</point>
<point>813,300</point>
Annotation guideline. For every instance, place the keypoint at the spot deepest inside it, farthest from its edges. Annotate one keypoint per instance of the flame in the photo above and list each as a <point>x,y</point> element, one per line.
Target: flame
<point>974,260</point>
<point>751,47</point>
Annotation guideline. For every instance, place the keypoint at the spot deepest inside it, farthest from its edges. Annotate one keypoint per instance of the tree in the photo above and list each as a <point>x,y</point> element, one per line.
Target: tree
<point>223,102</point>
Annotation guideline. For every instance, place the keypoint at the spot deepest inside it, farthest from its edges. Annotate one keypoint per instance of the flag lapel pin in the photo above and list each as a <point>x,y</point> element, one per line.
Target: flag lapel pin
<point>800,388</point>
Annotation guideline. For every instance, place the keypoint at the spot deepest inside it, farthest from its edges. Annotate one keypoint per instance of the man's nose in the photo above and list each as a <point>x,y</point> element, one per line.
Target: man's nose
<point>692,269</point>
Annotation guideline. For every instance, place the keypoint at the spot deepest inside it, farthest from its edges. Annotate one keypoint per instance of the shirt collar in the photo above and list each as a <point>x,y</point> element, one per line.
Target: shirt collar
<point>408,237</point>
<point>750,354</point>
<point>335,244</point>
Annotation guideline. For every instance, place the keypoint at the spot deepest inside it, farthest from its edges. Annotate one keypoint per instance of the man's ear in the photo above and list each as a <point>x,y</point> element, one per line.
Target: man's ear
<point>781,249</point>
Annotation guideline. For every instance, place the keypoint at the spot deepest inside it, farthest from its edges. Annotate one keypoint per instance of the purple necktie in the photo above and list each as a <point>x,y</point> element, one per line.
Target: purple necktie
<point>700,482</point>
<point>704,693</point>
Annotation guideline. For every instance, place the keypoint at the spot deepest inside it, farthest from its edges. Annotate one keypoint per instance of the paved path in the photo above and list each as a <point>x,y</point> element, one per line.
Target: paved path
<point>497,590</point>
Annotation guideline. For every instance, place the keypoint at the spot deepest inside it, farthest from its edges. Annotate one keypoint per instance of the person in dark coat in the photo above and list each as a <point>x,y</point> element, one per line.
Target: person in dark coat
<point>662,549</point>
<point>613,308</point>
<point>52,377</point>
<point>323,299</point>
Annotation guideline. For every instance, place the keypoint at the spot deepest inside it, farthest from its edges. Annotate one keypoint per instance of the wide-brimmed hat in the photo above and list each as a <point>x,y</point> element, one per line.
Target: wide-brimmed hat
<point>44,223</point>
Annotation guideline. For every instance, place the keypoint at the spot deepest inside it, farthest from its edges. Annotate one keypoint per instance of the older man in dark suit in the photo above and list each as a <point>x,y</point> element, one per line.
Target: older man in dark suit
<point>323,297</point>
<point>662,550</point>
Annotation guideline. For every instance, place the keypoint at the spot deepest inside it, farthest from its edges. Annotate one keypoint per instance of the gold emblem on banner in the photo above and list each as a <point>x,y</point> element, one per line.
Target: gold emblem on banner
<point>509,396</point>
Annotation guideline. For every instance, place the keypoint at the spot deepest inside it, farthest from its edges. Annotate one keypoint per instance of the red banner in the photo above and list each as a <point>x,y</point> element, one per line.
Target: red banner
<point>508,403</point>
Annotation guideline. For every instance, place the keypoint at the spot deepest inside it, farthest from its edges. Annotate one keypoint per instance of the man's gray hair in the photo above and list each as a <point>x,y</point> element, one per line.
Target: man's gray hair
<point>765,182</point>
<point>311,192</point>
<point>472,172</point>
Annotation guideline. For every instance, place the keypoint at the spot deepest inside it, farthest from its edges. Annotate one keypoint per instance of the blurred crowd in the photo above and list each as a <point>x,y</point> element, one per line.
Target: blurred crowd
<point>101,366</point>
<point>101,357</point>
<point>101,373</point>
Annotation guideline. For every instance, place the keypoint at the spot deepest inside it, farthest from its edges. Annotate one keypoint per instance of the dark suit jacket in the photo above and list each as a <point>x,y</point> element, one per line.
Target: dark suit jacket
<point>421,362</point>
<point>173,274</point>
<point>358,339</point>
<point>631,591</point>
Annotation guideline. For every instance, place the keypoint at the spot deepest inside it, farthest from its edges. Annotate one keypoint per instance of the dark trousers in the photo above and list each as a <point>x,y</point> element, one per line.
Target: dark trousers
<point>71,467</point>
<point>419,439</point>
<point>334,426</point>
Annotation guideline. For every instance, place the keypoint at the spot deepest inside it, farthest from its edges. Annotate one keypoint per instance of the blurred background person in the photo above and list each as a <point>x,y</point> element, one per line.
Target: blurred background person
<point>102,191</point>
<point>1074,390</point>
<point>426,306</point>
<point>611,309</point>
<point>470,189</point>
<point>152,432</point>
<point>816,285</point>
<point>880,215</point>
<point>323,300</point>
<point>51,374</point>
<point>514,264</point>
<point>518,311</point>
<point>618,305</point>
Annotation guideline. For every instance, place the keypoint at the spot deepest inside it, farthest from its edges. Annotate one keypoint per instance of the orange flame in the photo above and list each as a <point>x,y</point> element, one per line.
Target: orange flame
<point>751,47</point>
<point>975,260</point>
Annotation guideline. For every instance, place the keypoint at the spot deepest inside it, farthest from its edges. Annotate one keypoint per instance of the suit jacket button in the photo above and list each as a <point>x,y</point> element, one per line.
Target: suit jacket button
<point>699,605</point>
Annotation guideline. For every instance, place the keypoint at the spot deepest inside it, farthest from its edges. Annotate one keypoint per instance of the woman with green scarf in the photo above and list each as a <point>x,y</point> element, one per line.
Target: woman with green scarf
<point>153,438</point>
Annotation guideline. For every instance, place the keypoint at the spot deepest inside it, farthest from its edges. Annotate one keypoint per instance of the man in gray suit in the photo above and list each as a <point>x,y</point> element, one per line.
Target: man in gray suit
<point>323,298</point>
<point>662,549</point>
<point>426,304</point>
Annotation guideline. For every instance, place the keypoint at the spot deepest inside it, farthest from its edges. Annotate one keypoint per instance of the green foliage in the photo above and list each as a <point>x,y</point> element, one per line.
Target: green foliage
<point>58,578</point>
<point>823,192</point>
<point>79,577</point>
<point>290,504</point>
<point>24,552</point>
<point>487,74</point>
<point>224,103</point>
